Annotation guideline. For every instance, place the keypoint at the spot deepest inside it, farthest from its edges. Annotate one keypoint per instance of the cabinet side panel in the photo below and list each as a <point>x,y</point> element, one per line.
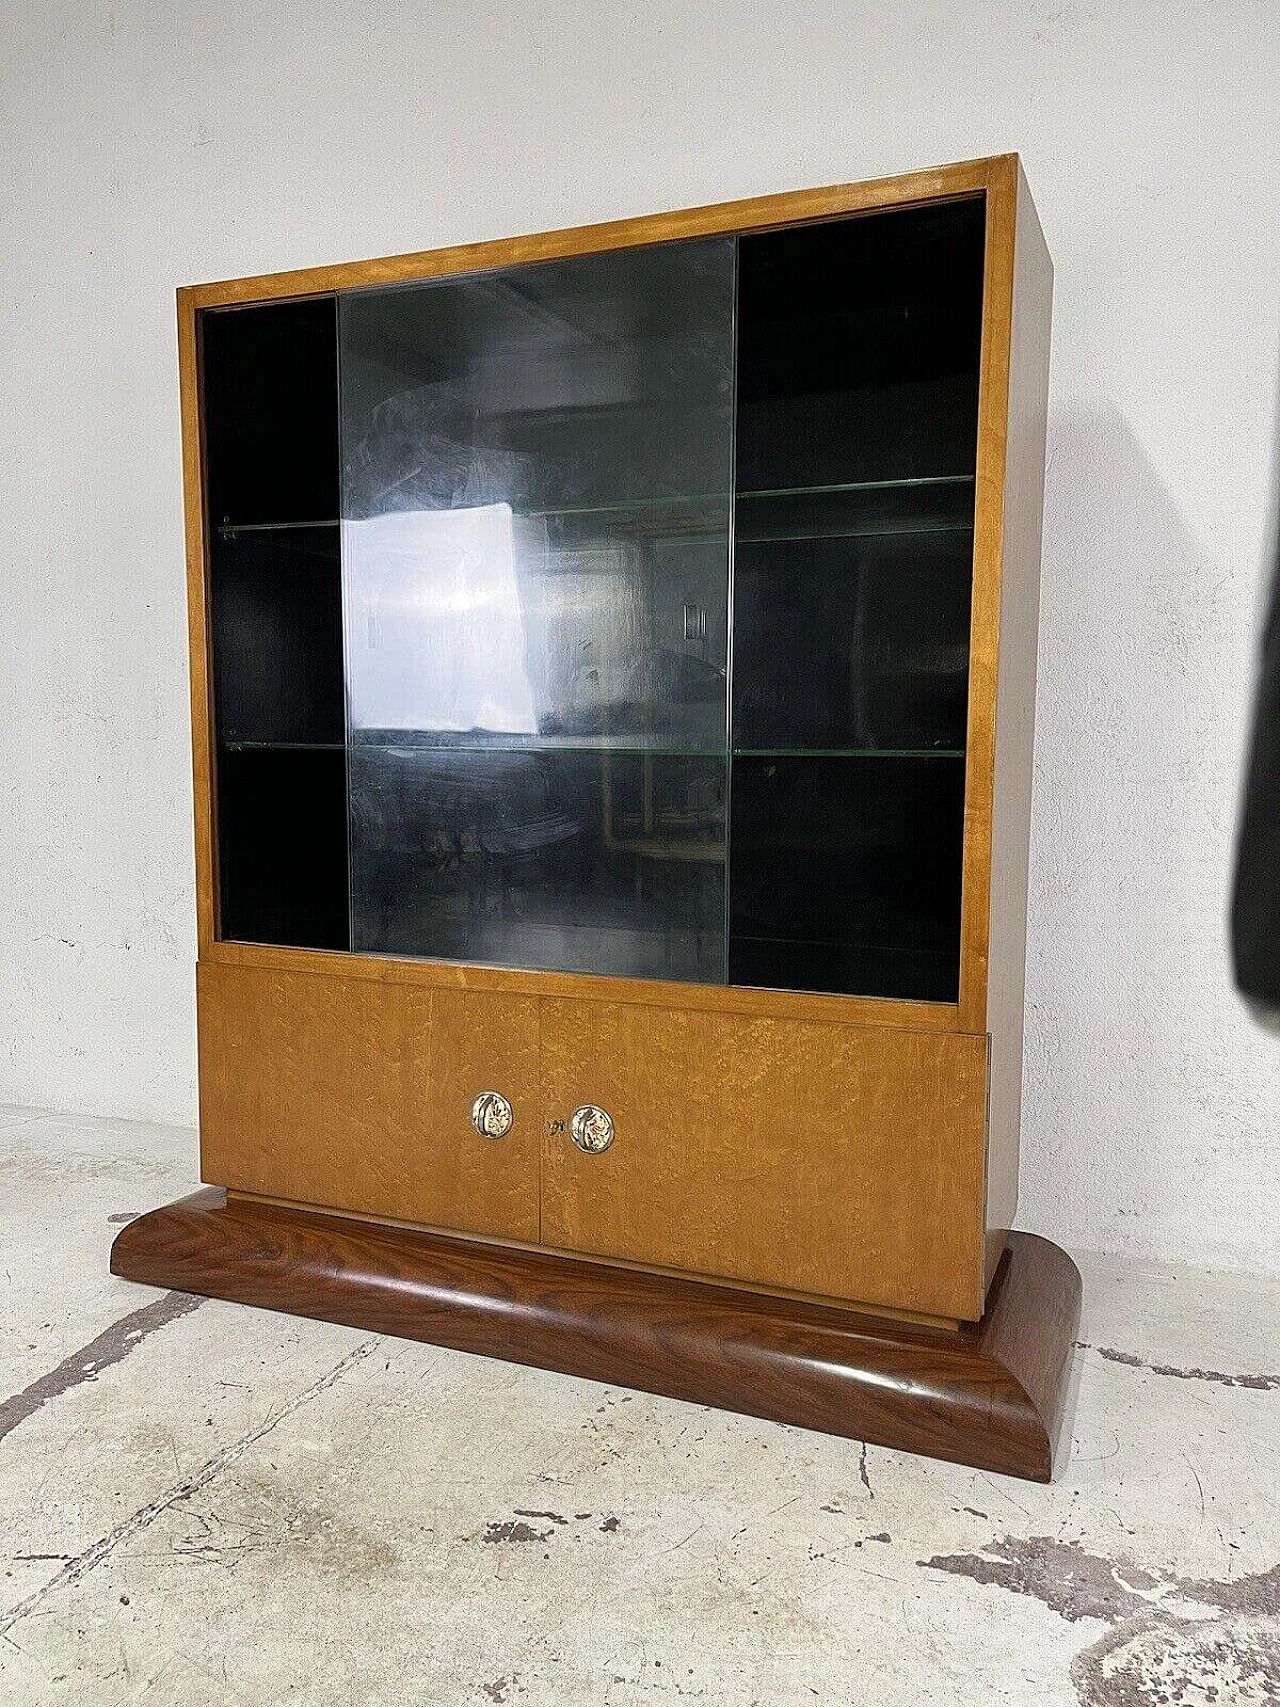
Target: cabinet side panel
<point>1015,708</point>
<point>820,1159</point>
<point>356,1095</point>
<point>197,627</point>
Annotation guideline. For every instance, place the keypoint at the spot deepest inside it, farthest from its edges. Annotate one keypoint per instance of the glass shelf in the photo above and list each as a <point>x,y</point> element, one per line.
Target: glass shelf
<point>412,740</point>
<point>233,530</point>
<point>601,745</point>
<point>282,746</point>
<point>707,508</point>
<point>857,510</point>
<point>911,482</point>
<point>848,752</point>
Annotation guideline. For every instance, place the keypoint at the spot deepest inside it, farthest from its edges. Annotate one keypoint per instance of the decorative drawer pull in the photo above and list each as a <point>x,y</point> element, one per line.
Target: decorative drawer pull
<point>491,1115</point>
<point>591,1128</point>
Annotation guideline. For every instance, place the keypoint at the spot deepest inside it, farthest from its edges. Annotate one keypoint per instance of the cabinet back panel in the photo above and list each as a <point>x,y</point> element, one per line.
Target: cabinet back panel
<point>858,348</point>
<point>819,1159</point>
<point>845,874</point>
<point>271,413</point>
<point>277,638</point>
<point>858,357</point>
<point>356,1095</point>
<point>282,845</point>
<point>275,622</point>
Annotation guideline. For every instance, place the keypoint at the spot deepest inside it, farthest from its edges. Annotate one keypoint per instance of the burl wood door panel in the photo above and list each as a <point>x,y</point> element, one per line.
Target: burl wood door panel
<point>355,1094</point>
<point>826,1159</point>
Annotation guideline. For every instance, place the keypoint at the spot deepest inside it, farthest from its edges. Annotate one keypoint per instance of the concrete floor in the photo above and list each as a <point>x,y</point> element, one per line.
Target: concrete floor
<point>204,1504</point>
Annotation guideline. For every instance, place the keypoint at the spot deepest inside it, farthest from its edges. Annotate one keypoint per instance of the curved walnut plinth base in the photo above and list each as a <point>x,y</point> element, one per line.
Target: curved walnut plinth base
<point>990,1396</point>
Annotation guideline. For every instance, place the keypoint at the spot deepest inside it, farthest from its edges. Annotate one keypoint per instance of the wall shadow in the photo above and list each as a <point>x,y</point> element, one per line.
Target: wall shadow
<point>1150,1101</point>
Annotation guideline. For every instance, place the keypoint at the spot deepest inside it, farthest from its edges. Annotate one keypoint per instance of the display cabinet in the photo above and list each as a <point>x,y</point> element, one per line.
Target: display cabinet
<point>613,660</point>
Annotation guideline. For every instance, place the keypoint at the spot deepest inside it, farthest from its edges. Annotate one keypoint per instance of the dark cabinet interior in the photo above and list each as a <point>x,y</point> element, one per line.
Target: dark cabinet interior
<point>270,389</point>
<point>858,345</point>
<point>617,619</point>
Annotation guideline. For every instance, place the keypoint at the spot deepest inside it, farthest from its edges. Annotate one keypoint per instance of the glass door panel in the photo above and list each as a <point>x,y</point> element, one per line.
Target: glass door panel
<point>535,550</point>
<point>857,401</point>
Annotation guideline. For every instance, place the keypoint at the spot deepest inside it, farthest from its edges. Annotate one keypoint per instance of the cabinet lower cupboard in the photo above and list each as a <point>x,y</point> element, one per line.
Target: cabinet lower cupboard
<point>613,660</point>
<point>353,1095</point>
<point>331,1090</point>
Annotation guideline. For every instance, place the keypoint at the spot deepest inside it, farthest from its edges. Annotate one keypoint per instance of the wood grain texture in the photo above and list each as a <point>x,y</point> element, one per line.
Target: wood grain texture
<point>856,1011</point>
<point>358,1096</point>
<point>918,1317</point>
<point>198,626</point>
<point>990,1397</point>
<point>984,621</point>
<point>1021,508</point>
<point>819,1159</point>
<point>756,213</point>
<point>816,1158</point>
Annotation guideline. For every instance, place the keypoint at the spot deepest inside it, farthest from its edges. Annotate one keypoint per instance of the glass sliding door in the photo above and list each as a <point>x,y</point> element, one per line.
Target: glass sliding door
<point>857,402</point>
<point>535,556</point>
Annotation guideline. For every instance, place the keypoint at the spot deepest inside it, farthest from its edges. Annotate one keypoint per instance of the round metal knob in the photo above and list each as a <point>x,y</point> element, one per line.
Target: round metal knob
<point>591,1128</point>
<point>491,1115</point>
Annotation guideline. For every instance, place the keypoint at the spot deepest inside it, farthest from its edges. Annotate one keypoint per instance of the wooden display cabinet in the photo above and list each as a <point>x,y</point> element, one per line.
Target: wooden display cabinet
<point>613,663</point>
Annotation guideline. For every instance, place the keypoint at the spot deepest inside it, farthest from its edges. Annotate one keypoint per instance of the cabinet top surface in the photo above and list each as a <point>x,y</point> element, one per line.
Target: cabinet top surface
<point>751,213</point>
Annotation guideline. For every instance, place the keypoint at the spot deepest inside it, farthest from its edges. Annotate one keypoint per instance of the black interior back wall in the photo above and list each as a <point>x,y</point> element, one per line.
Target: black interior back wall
<point>282,846</point>
<point>270,381</point>
<point>859,343</point>
<point>277,637</point>
<point>852,643</point>
<point>270,388</point>
<point>845,873</point>
<point>858,348</point>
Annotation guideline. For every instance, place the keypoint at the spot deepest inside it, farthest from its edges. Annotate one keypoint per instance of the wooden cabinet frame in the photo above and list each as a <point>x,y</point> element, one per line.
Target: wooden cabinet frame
<point>1009,486</point>
<point>1017,292</point>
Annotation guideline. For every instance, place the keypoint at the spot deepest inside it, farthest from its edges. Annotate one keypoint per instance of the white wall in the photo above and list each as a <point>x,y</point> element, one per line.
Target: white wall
<point>149,145</point>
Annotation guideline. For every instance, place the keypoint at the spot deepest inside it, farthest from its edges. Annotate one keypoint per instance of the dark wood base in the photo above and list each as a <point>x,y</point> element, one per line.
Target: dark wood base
<point>990,1396</point>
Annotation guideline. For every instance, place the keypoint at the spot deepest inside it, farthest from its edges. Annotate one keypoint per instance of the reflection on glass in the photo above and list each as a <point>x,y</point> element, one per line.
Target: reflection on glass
<point>433,585</point>
<point>587,861</point>
<point>535,565</point>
